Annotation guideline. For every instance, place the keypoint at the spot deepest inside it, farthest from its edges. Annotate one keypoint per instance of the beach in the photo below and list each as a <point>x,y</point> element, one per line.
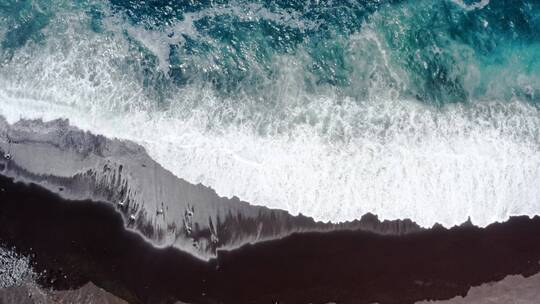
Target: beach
<point>75,242</point>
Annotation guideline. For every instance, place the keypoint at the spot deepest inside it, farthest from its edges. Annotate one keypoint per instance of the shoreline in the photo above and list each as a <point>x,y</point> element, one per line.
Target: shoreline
<point>73,243</point>
<point>164,209</point>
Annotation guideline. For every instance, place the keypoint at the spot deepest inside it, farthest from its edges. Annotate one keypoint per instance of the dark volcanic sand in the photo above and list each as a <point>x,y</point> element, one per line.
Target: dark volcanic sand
<point>77,242</point>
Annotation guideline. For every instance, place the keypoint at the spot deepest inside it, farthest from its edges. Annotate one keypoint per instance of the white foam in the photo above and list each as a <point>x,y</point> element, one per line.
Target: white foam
<point>429,167</point>
<point>387,155</point>
<point>473,6</point>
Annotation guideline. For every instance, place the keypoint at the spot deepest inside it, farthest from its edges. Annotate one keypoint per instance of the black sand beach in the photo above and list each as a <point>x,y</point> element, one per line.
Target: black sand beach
<point>75,242</point>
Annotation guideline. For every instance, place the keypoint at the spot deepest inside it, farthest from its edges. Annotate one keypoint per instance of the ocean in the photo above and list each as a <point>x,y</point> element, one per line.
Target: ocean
<point>426,110</point>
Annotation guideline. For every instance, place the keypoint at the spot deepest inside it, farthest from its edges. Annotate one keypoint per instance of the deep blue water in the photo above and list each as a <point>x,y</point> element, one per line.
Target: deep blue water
<point>442,51</point>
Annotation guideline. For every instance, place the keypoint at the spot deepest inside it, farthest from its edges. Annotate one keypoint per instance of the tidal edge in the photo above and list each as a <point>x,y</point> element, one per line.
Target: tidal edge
<point>67,197</point>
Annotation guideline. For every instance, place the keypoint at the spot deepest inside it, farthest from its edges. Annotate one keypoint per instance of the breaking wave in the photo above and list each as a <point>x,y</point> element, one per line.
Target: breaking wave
<point>422,110</point>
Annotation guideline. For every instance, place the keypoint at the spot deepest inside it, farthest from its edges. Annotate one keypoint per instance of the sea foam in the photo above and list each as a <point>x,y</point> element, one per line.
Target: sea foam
<point>333,152</point>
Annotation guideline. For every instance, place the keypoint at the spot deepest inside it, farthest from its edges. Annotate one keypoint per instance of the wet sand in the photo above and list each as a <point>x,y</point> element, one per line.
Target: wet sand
<point>75,242</point>
<point>168,210</point>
